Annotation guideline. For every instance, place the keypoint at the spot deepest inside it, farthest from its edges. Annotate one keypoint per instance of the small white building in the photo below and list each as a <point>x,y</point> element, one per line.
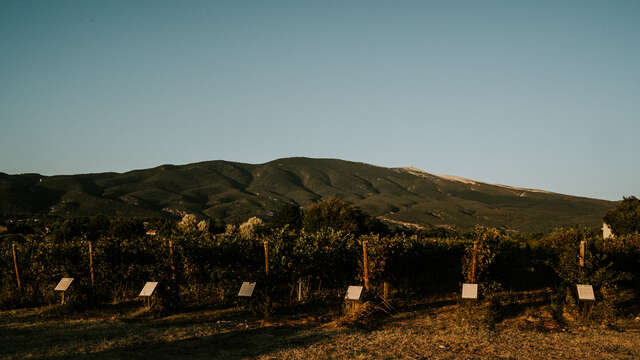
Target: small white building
<point>606,231</point>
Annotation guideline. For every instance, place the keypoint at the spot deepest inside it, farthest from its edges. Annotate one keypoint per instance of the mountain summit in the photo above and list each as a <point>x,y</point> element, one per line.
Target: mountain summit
<point>234,192</point>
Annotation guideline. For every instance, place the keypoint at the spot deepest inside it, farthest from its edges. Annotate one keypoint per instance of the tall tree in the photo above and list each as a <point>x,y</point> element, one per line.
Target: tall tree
<point>288,214</point>
<point>335,213</point>
<point>625,218</point>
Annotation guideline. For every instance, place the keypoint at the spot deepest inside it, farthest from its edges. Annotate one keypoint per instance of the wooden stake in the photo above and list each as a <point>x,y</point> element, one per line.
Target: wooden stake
<point>300,289</point>
<point>91,262</point>
<point>267,298</point>
<point>15,265</point>
<point>62,302</point>
<point>474,263</point>
<point>365,263</point>
<point>266,258</point>
<point>385,291</point>
<point>582,250</point>
<point>173,265</point>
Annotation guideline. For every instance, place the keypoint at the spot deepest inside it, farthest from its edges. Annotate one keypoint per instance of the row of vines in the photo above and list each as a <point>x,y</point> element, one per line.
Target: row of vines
<point>195,268</point>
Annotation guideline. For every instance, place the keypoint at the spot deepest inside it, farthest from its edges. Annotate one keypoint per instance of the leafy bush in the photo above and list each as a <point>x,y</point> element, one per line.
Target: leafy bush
<point>625,218</point>
<point>597,270</point>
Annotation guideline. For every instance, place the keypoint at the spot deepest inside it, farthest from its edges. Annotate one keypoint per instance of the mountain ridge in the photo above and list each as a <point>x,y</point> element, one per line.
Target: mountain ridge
<point>233,192</point>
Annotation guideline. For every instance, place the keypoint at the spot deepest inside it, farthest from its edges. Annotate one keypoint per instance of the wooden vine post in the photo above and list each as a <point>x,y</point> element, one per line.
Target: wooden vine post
<point>365,263</point>
<point>583,245</point>
<point>91,261</point>
<point>171,262</point>
<point>588,305</point>
<point>15,265</point>
<point>474,262</point>
<point>175,289</point>
<point>266,258</point>
<point>267,312</point>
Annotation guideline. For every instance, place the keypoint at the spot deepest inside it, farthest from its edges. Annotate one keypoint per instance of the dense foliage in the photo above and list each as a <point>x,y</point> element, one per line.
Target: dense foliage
<point>625,218</point>
<point>196,267</point>
<point>336,214</point>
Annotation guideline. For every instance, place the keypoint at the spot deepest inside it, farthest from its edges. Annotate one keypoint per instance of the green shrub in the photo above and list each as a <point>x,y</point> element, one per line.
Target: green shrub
<point>597,270</point>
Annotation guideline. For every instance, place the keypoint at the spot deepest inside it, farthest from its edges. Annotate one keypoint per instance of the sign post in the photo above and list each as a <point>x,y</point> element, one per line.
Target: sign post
<point>586,295</point>
<point>62,286</point>
<point>354,293</point>
<point>147,291</point>
<point>245,293</point>
<point>246,290</point>
<point>470,291</point>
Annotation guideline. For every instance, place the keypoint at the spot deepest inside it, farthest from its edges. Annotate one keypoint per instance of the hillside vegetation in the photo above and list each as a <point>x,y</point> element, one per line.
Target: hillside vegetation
<point>233,192</point>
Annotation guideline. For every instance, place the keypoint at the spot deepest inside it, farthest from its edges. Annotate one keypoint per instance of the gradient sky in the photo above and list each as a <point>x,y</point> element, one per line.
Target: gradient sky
<point>541,94</point>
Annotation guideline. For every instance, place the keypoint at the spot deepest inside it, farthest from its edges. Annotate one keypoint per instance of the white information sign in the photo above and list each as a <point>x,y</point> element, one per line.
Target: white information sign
<point>63,285</point>
<point>353,293</point>
<point>469,291</point>
<point>585,292</point>
<point>148,288</point>
<point>247,289</point>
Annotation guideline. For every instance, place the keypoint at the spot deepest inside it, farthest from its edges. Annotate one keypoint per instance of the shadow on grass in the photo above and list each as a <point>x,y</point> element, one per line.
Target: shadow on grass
<point>230,333</point>
<point>52,324</point>
<point>238,344</point>
<point>418,308</point>
<point>67,312</point>
<point>517,304</point>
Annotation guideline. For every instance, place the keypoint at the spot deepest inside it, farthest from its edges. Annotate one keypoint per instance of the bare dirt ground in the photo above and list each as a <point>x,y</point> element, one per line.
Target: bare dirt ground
<point>429,330</point>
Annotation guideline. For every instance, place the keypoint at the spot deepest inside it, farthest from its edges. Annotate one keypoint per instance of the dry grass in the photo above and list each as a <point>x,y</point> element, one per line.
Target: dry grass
<point>434,335</point>
<point>420,331</point>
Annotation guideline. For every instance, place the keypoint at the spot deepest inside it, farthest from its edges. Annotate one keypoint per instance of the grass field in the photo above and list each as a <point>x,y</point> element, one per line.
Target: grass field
<point>421,330</point>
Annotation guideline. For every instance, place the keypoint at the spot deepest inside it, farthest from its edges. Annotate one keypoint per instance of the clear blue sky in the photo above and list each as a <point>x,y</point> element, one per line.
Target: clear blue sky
<point>542,94</point>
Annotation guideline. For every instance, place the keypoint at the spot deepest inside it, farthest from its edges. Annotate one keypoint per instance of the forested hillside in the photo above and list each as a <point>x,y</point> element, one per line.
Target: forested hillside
<point>232,192</point>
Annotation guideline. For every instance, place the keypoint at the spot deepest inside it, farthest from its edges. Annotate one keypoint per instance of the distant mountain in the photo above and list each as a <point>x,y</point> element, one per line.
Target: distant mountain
<point>236,191</point>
